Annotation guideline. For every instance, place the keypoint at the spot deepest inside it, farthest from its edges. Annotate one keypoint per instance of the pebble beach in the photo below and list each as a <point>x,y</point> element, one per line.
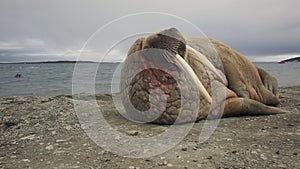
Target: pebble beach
<point>44,132</point>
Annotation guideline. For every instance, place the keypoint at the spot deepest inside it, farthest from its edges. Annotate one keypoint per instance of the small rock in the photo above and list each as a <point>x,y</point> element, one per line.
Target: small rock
<point>184,149</point>
<point>209,157</point>
<point>290,124</point>
<point>162,158</point>
<point>160,164</point>
<point>295,154</point>
<point>13,156</point>
<point>131,167</point>
<point>50,147</point>
<point>30,137</point>
<point>169,165</point>
<point>59,141</point>
<point>262,156</point>
<point>68,128</point>
<point>26,160</point>
<point>295,110</point>
<point>165,163</point>
<point>282,166</point>
<point>133,133</point>
<point>277,152</point>
<point>58,152</point>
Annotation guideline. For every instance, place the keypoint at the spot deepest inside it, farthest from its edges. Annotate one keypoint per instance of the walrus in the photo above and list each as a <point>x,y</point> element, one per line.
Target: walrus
<point>204,78</point>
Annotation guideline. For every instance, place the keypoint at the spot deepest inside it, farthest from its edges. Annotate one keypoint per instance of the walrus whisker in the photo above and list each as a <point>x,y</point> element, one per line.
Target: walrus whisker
<point>194,76</point>
<point>206,62</point>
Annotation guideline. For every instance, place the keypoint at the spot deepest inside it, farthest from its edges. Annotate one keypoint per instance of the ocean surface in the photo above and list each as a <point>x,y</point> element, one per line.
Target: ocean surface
<point>51,79</point>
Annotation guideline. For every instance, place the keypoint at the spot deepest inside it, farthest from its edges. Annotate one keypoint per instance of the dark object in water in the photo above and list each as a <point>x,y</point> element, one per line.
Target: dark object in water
<point>18,75</point>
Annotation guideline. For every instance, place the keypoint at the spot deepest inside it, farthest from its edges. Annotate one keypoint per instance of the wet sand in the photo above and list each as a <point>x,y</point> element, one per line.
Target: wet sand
<point>44,132</point>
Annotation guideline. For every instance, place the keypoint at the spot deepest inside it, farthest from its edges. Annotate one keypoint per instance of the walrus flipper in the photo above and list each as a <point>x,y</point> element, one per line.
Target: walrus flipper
<point>243,106</point>
<point>268,80</point>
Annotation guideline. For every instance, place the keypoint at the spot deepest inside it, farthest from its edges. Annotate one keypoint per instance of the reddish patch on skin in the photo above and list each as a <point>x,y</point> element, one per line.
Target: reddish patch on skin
<point>159,84</point>
<point>230,94</point>
<point>153,83</point>
<point>155,78</point>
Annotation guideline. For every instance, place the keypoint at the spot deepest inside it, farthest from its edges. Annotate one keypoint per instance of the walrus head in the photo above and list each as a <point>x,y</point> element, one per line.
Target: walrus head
<point>170,40</point>
<point>157,81</point>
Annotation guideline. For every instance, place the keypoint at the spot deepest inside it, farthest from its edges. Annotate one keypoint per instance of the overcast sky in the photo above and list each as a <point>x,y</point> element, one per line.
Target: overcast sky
<point>33,30</point>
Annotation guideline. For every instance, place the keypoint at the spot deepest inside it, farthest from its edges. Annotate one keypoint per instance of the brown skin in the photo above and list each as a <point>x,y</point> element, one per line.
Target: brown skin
<point>243,77</point>
<point>248,91</point>
<point>269,81</point>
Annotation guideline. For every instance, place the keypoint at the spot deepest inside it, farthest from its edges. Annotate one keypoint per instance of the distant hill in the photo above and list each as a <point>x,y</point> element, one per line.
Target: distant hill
<point>296,59</point>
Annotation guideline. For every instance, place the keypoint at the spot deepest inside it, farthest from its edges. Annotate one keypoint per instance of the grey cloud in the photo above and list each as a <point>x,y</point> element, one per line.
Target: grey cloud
<point>255,27</point>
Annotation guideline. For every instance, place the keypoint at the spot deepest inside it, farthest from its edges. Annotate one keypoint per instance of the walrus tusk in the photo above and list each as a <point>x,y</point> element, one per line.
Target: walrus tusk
<point>194,76</point>
<point>201,58</point>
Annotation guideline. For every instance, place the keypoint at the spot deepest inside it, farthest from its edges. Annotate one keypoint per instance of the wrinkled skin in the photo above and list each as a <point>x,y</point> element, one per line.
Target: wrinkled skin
<point>232,86</point>
<point>269,81</point>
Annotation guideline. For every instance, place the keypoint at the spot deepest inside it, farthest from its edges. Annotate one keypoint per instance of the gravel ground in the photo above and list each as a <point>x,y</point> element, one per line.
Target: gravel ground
<point>44,132</point>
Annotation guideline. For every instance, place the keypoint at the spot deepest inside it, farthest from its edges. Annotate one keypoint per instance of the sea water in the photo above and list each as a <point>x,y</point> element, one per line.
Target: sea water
<point>51,79</point>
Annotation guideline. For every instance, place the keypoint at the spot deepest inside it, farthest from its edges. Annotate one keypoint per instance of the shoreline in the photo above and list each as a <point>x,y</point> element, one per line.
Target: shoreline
<point>100,94</point>
<point>44,132</point>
